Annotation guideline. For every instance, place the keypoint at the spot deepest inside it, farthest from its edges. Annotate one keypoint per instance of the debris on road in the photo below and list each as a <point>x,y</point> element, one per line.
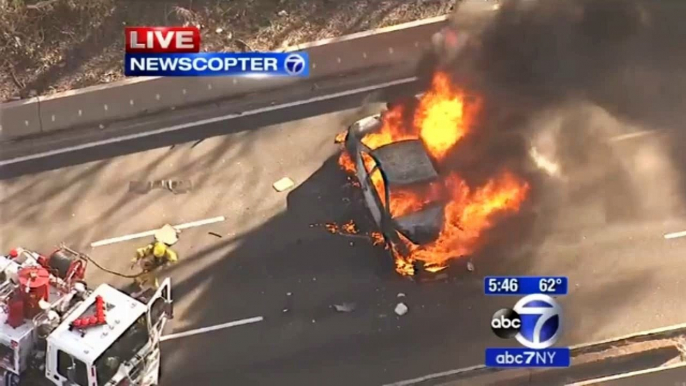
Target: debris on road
<point>285,310</point>
<point>288,294</point>
<point>283,184</point>
<point>345,307</point>
<point>470,266</point>
<point>215,234</point>
<point>401,309</point>
<point>176,187</point>
<point>167,234</point>
<point>401,295</point>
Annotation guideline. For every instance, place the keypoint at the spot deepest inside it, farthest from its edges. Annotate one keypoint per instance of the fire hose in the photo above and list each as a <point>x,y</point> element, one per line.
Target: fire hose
<point>94,262</point>
<point>90,259</point>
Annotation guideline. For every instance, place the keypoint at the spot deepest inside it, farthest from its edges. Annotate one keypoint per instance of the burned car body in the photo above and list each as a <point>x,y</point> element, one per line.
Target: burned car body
<point>400,165</point>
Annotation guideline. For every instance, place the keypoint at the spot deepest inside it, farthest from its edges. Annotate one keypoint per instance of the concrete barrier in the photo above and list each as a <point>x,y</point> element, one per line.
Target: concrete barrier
<point>84,107</point>
<point>20,118</point>
<point>131,98</point>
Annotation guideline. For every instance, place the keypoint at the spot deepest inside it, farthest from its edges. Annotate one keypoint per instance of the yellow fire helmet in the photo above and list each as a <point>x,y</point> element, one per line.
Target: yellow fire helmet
<point>159,250</point>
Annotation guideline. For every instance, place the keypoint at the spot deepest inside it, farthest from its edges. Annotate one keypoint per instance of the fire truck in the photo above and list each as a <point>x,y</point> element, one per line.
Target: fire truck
<point>54,330</point>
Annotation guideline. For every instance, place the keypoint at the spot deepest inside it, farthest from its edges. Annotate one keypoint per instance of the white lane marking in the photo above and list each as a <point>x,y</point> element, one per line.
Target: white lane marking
<point>436,375</point>
<point>212,328</point>
<point>608,378</point>
<point>151,233</point>
<point>637,134</point>
<point>675,235</point>
<point>205,122</point>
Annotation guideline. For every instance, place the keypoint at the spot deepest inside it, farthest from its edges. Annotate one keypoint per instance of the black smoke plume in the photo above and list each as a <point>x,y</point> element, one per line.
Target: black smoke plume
<point>604,67</point>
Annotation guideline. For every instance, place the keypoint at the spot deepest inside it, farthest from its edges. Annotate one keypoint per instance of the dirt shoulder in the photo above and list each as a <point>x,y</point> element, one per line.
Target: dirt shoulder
<point>56,45</point>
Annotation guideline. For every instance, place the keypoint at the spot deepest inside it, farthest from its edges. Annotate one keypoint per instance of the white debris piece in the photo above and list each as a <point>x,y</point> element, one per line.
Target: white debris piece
<point>167,234</point>
<point>401,295</point>
<point>345,307</point>
<point>283,13</point>
<point>470,266</point>
<point>218,30</point>
<point>283,184</point>
<point>401,309</point>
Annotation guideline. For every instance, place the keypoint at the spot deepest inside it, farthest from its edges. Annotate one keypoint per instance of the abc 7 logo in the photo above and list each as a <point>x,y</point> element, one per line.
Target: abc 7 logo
<point>294,64</point>
<point>535,321</point>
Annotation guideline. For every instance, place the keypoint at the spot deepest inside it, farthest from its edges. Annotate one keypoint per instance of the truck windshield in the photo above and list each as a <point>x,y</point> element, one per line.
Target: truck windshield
<point>122,350</point>
<point>6,357</point>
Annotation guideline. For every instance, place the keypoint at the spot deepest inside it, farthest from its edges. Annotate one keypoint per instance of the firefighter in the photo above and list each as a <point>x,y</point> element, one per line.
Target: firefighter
<point>156,255</point>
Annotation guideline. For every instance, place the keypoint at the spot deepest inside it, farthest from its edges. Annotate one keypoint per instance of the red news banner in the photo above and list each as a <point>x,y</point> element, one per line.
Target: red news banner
<point>157,40</point>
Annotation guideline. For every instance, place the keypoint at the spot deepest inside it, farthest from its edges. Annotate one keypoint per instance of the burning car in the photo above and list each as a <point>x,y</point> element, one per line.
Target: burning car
<point>427,213</point>
<point>384,174</point>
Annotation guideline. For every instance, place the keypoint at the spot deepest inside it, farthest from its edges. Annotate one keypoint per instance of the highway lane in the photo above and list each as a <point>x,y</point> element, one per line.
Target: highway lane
<point>625,276</point>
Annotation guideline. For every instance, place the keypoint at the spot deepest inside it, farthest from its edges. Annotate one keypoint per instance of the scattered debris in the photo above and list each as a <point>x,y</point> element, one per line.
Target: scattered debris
<point>285,310</point>
<point>283,13</point>
<point>167,234</point>
<point>176,187</point>
<point>288,294</point>
<point>401,309</point>
<point>215,234</point>
<point>314,321</point>
<point>345,307</point>
<point>470,266</point>
<point>283,184</point>
<point>218,30</point>
<point>431,278</point>
<point>401,295</point>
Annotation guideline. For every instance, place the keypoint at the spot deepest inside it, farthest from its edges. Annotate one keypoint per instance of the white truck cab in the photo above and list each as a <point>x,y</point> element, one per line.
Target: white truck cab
<point>124,351</point>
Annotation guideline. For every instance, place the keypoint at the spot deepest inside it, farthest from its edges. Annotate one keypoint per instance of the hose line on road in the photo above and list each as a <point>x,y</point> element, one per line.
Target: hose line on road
<point>90,259</point>
<point>115,272</point>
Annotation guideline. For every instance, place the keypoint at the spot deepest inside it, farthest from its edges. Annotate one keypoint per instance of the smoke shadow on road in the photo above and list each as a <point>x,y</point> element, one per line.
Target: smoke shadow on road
<point>292,273</point>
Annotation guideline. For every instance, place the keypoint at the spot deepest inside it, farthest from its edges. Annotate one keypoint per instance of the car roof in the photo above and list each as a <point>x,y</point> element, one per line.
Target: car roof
<point>405,162</point>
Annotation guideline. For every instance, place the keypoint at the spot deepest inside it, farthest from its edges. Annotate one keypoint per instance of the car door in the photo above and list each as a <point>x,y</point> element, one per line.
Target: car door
<point>368,189</point>
<point>160,309</point>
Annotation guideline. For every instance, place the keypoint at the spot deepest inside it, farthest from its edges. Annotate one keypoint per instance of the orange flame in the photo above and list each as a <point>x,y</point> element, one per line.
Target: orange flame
<point>441,119</point>
<point>468,214</point>
<point>443,106</point>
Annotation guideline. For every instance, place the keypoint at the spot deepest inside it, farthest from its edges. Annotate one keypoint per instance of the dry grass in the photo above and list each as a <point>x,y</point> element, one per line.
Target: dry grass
<point>55,45</point>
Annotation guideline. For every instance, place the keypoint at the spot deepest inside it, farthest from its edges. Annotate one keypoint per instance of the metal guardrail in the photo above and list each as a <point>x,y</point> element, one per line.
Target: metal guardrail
<point>138,97</point>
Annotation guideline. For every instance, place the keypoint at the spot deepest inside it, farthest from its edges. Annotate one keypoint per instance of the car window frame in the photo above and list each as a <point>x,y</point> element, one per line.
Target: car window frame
<point>383,204</point>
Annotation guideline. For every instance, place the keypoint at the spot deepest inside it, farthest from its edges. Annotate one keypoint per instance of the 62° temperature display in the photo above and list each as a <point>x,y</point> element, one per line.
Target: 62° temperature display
<point>525,285</point>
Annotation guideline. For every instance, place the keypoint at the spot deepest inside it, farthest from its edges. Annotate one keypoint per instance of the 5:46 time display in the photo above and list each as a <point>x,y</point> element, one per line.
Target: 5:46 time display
<point>526,285</point>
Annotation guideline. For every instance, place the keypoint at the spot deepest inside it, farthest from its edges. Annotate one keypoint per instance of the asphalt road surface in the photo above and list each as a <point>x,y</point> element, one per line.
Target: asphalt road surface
<point>271,261</point>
